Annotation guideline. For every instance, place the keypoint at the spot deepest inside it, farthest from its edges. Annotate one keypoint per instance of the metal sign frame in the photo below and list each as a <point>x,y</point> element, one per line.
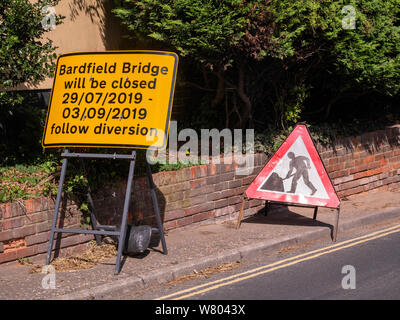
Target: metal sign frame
<point>78,83</point>
<point>300,131</point>
<point>98,229</point>
<point>252,191</point>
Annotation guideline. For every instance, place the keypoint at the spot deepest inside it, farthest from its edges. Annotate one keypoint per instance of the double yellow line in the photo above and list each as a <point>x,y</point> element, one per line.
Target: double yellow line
<point>187,293</point>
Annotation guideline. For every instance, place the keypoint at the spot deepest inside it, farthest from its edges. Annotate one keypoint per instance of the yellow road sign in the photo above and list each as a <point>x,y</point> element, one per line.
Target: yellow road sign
<point>117,99</point>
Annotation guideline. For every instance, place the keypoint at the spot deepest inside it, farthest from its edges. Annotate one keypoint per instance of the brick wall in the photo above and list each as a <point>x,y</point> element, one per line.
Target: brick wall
<point>367,162</point>
<point>205,193</point>
<point>25,228</point>
<point>196,195</point>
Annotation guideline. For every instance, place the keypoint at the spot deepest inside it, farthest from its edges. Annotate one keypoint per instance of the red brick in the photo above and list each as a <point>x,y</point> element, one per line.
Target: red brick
<point>29,206</point>
<point>184,221</point>
<point>6,257</point>
<point>14,244</point>
<point>221,186</point>
<point>359,169</point>
<point>214,196</point>
<point>198,200</point>
<point>37,238</point>
<point>234,184</point>
<point>369,159</point>
<point>168,225</point>
<point>396,165</point>
<point>228,193</point>
<point>332,161</point>
<point>349,192</point>
<point>363,174</point>
<point>247,180</point>
<point>13,223</point>
<point>227,176</point>
<point>240,190</point>
<point>6,210</point>
<point>344,179</point>
<point>26,252</point>
<point>203,172</point>
<point>235,200</point>
<point>23,232</point>
<point>183,175</point>
<point>42,227</point>
<point>389,154</point>
<point>174,214</point>
<point>256,202</point>
<point>41,248</point>
<point>202,190</point>
<point>34,218</point>
<point>199,208</point>
<point>212,180</point>
<point>227,167</point>
<point>203,216</point>
<point>349,164</point>
<point>212,169</point>
<point>177,196</point>
<point>194,184</point>
<point>224,211</point>
<point>221,203</point>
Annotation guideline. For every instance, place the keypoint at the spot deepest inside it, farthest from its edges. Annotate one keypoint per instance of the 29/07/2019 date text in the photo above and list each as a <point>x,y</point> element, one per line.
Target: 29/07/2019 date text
<point>102,98</point>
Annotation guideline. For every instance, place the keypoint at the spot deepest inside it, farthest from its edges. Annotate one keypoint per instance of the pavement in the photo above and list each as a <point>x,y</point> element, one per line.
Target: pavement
<point>195,248</point>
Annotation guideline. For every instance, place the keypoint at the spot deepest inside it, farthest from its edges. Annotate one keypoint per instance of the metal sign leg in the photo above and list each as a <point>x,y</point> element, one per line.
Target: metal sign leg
<point>122,235</point>
<point>266,207</point>
<point>56,208</point>
<point>336,224</point>
<point>315,213</point>
<point>239,220</point>
<point>156,208</point>
<point>93,219</point>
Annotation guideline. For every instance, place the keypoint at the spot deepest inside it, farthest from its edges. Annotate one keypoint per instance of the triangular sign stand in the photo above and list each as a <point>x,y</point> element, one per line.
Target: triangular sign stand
<point>295,175</point>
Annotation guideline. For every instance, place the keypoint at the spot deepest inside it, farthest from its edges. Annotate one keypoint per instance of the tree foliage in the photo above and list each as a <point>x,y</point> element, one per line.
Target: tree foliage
<point>25,56</point>
<point>268,55</point>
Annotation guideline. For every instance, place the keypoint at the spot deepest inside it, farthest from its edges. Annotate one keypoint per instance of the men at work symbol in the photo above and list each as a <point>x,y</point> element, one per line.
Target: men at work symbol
<point>301,164</point>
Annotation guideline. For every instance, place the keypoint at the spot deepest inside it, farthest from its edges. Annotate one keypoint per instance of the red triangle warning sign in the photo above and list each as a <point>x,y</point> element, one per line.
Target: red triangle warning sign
<point>295,174</point>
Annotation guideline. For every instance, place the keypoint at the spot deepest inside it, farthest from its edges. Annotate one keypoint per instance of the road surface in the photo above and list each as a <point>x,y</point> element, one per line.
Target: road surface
<point>364,267</point>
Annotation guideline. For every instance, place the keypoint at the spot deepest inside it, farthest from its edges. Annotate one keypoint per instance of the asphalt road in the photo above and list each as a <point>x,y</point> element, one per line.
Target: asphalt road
<point>366,267</point>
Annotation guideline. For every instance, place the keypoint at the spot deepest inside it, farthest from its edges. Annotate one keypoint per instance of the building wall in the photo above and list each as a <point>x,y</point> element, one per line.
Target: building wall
<point>197,195</point>
<point>88,26</point>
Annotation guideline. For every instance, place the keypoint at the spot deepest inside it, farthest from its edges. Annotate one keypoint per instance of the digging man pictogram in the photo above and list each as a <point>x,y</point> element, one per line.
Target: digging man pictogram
<point>301,164</point>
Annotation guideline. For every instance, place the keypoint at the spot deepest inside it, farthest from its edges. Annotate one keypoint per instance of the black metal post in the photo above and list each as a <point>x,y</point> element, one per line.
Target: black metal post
<point>336,224</point>
<point>156,208</point>
<point>93,219</point>
<point>56,208</point>
<point>315,213</point>
<point>122,231</point>
<point>266,207</point>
